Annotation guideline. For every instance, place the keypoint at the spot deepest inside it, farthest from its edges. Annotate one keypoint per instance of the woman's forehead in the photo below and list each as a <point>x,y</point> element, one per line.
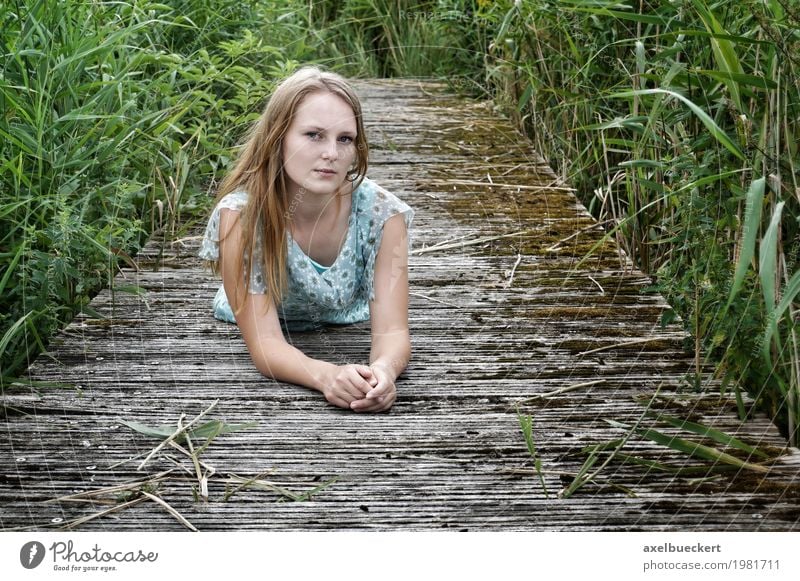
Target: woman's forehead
<point>323,110</point>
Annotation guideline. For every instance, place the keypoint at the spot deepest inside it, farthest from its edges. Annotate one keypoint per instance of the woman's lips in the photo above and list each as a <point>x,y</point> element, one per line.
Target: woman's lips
<point>325,172</point>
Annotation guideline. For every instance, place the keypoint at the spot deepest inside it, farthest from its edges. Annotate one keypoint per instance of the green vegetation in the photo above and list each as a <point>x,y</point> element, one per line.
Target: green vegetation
<point>677,120</point>
<point>115,118</point>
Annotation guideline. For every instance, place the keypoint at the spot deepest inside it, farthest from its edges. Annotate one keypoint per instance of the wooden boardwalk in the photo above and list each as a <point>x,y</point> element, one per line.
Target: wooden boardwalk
<point>498,324</point>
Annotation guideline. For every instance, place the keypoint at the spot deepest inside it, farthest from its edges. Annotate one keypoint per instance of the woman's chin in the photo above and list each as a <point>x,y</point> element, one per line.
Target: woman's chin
<point>325,186</point>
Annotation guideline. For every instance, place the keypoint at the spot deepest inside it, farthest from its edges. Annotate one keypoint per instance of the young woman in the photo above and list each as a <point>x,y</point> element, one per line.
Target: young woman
<point>301,238</point>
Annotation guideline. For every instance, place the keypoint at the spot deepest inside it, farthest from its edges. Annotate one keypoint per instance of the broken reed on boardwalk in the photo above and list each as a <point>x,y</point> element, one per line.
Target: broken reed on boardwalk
<point>515,326</point>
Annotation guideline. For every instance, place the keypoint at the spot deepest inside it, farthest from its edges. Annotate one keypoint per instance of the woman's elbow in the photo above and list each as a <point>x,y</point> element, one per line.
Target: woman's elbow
<point>264,367</point>
<point>265,358</point>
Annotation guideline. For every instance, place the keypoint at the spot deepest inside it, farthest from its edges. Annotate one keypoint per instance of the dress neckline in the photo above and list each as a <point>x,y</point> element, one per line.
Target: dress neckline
<point>320,267</point>
<point>348,234</point>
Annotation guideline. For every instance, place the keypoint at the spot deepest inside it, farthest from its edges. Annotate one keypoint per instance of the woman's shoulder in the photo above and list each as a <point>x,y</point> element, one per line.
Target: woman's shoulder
<point>209,247</point>
<point>235,200</point>
<point>373,198</point>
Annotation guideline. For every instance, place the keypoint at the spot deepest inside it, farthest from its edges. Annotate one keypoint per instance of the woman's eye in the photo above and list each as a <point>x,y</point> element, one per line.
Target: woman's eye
<point>316,136</point>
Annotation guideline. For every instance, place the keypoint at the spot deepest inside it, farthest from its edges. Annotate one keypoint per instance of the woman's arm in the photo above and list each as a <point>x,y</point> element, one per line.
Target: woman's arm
<point>261,331</point>
<point>391,342</point>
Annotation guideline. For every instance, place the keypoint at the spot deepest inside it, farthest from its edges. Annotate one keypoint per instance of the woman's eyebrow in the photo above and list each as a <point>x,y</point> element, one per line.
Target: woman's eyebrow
<point>322,130</point>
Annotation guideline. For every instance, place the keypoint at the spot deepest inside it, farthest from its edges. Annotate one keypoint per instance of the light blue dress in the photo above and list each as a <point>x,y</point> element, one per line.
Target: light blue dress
<point>317,294</point>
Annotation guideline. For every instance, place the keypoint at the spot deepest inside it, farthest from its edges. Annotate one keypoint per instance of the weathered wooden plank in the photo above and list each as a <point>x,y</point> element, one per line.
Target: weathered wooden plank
<point>521,323</point>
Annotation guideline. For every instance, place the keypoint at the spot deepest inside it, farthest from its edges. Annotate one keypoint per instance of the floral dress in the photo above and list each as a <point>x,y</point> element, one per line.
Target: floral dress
<point>316,294</point>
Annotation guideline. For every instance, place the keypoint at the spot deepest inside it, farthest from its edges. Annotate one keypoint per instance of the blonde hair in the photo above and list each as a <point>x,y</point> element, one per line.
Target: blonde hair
<point>259,172</point>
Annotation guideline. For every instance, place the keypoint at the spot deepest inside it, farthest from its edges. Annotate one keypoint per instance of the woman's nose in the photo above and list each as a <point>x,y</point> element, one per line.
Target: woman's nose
<point>331,151</point>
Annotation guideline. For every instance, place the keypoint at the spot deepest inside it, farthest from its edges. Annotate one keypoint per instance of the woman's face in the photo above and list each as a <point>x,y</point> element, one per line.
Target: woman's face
<point>319,146</point>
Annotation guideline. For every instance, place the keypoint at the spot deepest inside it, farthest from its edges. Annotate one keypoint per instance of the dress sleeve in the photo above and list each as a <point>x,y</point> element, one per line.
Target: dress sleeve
<point>209,247</point>
<point>384,206</point>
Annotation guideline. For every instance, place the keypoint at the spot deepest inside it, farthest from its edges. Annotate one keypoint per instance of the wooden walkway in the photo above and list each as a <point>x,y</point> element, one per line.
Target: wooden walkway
<point>498,323</point>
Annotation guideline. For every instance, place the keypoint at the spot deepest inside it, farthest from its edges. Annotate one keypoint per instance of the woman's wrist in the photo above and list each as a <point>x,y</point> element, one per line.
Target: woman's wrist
<point>392,352</point>
<point>390,369</point>
<point>321,373</point>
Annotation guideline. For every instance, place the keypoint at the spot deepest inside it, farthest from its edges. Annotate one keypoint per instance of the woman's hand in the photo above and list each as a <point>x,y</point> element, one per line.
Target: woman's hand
<point>348,384</point>
<point>361,388</point>
<point>381,396</point>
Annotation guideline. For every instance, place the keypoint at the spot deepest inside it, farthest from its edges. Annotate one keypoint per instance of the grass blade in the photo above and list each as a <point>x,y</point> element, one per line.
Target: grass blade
<point>741,78</point>
<point>767,270</point>
<point>715,130</point>
<point>526,424</point>
<point>706,432</point>
<point>724,52</point>
<point>209,429</point>
<point>692,448</point>
<point>752,220</point>
<point>790,292</point>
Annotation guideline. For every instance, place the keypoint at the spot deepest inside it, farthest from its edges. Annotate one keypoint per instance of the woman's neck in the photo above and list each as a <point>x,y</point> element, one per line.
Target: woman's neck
<point>312,211</point>
<point>309,209</point>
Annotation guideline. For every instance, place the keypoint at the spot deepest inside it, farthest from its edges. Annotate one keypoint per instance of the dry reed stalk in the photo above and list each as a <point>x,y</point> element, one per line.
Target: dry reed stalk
<point>178,516</point>
<point>83,520</point>
<point>602,290</point>
<point>434,300</point>
<point>186,452</point>
<point>624,344</point>
<point>441,246</point>
<point>120,463</point>
<point>202,482</point>
<point>548,187</point>
<point>177,433</point>
<point>555,246</point>
<point>89,495</point>
<point>559,391</point>
<point>255,480</point>
<point>513,270</point>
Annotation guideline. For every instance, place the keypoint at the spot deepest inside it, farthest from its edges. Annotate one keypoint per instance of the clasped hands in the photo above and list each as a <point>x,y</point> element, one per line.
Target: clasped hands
<point>361,388</point>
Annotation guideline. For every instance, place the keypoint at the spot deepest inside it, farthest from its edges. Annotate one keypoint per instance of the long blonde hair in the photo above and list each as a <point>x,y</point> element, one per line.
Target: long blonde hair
<point>259,172</point>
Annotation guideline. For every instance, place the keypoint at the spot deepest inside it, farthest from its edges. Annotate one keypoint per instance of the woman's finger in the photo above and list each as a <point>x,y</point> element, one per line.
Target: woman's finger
<point>366,372</point>
<point>343,389</point>
<point>339,402</point>
<point>351,391</point>
<point>366,405</point>
<point>374,405</point>
<point>380,390</point>
<point>359,383</point>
